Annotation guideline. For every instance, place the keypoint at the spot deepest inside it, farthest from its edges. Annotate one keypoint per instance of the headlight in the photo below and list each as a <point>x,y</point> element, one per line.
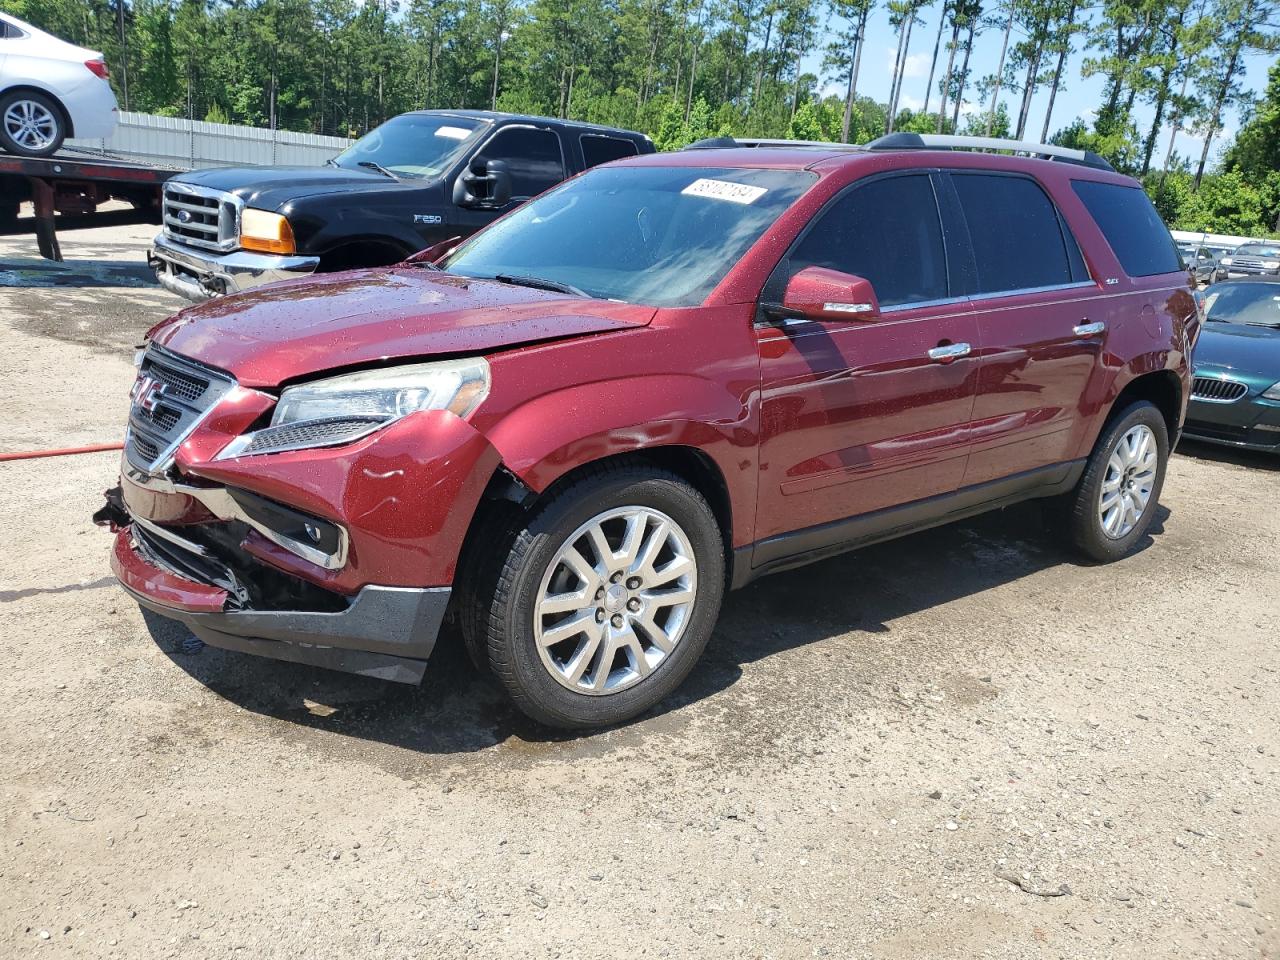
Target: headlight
<point>1271,264</point>
<point>343,409</point>
<point>1272,392</point>
<point>267,232</point>
<point>1225,261</point>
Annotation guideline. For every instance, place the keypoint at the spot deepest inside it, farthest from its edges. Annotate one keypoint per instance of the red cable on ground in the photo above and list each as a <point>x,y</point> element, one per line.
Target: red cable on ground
<point>64,452</point>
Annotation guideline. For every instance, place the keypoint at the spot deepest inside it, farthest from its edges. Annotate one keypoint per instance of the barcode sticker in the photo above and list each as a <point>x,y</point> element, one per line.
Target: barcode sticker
<point>724,190</point>
<point>453,133</point>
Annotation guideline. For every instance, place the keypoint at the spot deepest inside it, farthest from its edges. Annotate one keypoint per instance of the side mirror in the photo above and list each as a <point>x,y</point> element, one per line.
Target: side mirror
<point>817,293</point>
<point>485,184</point>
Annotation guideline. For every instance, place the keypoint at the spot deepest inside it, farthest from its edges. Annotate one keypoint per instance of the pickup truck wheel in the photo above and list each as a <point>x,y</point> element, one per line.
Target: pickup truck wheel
<point>31,124</point>
<point>1116,499</point>
<point>606,598</point>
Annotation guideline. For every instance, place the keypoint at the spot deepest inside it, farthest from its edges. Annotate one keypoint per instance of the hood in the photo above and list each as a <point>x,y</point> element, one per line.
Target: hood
<point>1254,351</point>
<point>270,188</point>
<point>294,330</point>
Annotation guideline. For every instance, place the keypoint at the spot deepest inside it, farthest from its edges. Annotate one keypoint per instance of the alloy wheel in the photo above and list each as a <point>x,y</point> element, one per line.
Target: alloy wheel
<point>1130,478</point>
<point>31,125</point>
<point>615,600</point>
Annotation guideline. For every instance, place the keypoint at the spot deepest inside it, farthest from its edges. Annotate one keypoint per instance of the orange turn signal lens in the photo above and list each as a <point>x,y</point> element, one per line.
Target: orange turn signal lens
<point>265,232</point>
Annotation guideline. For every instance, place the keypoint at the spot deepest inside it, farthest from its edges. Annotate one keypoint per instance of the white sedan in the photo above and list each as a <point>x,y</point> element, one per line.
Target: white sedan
<point>50,90</point>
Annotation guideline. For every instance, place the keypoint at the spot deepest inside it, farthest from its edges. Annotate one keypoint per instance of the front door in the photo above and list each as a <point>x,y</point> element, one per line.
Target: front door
<point>861,415</point>
<point>535,161</point>
<point>1041,321</point>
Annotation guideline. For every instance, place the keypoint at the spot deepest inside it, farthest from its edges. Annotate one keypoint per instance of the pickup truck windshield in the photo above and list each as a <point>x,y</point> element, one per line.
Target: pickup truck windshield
<point>411,145</point>
<point>663,236</point>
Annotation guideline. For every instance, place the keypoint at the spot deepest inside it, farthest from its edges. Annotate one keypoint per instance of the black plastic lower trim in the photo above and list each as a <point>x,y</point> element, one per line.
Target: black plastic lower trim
<point>800,547</point>
<point>386,632</point>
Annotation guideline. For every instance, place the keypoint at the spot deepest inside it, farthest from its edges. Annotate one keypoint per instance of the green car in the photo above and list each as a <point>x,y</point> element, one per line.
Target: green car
<point>1235,390</point>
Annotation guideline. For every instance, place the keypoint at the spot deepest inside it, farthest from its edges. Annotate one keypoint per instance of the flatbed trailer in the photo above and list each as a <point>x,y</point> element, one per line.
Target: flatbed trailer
<point>67,189</point>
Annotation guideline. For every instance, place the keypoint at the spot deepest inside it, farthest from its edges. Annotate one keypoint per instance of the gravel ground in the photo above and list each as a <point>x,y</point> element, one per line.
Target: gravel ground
<point>962,744</point>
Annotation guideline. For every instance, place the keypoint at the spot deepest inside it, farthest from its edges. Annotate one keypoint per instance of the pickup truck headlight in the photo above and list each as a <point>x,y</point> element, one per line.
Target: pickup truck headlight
<point>1271,264</point>
<point>343,409</point>
<point>265,232</point>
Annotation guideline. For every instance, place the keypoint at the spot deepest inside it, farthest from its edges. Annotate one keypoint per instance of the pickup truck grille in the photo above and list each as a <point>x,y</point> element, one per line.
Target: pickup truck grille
<point>1214,390</point>
<point>201,217</point>
<point>171,395</point>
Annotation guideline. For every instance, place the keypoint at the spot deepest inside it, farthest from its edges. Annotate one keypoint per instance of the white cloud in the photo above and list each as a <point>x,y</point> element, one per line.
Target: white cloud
<point>917,64</point>
<point>906,102</point>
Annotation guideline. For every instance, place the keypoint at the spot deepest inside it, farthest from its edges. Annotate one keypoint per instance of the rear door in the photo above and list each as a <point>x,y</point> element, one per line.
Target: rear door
<point>1041,330</point>
<point>856,414</point>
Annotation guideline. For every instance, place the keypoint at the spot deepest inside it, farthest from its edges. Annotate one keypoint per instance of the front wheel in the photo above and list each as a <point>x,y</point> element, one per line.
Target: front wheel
<point>605,599</point>
<point>31,124</point>
<point>1115,501</point>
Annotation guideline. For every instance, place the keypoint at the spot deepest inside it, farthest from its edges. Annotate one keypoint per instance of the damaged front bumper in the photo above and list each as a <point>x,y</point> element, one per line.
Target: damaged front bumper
<point>198,577</point>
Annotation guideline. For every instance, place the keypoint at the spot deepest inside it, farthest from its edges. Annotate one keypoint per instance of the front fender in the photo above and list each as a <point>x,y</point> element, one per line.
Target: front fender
<point>543,439</point>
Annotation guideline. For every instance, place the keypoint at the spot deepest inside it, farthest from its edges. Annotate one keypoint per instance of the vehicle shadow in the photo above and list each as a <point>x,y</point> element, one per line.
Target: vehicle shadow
<point>1253,459</point>
<point>459,710</point>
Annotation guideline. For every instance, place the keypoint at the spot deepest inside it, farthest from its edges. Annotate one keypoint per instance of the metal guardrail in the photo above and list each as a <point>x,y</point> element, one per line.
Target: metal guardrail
<point>174,142</point>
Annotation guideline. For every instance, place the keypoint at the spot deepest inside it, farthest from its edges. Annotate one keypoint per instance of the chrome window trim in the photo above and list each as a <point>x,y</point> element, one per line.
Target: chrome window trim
<point>1002,294</point>
<point>923,304</point>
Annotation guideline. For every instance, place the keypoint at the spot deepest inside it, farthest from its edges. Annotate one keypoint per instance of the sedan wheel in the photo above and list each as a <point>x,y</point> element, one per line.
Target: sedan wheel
<point>615,600</point>
<point>30,124</point>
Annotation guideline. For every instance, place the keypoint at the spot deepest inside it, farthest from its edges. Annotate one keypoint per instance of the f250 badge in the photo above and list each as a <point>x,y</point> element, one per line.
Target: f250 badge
<point>427,218</point>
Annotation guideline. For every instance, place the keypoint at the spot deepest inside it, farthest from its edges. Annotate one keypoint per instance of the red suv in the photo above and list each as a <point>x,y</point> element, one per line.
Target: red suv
<point>658,381</point>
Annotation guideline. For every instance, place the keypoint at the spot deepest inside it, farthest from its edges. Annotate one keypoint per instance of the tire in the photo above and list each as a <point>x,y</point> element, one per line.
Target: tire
<point>32,124</point>
<point>556,664</point>
<point>1116,468</point>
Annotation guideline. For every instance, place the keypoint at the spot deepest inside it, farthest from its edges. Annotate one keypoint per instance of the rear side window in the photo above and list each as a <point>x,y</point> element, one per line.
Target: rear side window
<point>886,231</point>
<point>1017,235</point>
<point>1137,235</point>
<point>596,150</point>
<point>532,157</point>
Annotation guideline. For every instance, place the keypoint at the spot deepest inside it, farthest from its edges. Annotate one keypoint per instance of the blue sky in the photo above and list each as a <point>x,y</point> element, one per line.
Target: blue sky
<point>1078,97</point>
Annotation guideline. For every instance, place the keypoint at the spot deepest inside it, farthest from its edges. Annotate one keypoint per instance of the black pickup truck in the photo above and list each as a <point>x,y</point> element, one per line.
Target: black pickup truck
<point>417,180</point>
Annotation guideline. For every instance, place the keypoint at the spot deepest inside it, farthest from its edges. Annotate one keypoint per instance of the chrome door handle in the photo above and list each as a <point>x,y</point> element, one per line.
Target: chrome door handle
<point>1088,329</point>
<point>952,351</point>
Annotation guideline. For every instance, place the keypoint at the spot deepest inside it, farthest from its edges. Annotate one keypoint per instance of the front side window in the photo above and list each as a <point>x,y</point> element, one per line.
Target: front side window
<point>886,231</point>
<point>663,236</point>
<point>532,157</point>
<point>414,145</point>
<point>1016,235</point>
<point>1135,232</point>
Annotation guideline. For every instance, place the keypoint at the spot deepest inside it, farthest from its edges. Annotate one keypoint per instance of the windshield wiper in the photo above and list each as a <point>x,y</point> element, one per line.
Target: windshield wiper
<point>331,162</point>
<point>379,167</point>
<point>538,283</point>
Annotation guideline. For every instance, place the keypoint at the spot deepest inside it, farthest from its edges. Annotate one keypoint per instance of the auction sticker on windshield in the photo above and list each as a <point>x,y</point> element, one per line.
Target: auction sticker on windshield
<point>724,190</point>
<point>454,133</point>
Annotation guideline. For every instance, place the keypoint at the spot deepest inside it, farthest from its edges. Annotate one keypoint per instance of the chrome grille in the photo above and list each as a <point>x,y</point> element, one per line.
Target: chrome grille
<point>1253,262</point>
<point>201,217</point>
<point>1217,390</point>
<point>171,395</point>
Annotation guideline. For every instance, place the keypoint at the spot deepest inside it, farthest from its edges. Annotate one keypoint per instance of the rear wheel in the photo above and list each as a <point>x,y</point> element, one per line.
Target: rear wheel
<point>605,597</point>
<point>31,124</point>
<point>1113,505</point>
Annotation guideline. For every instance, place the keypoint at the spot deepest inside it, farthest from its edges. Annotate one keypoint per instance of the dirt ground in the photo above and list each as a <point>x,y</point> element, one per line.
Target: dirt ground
<point>959,745</point>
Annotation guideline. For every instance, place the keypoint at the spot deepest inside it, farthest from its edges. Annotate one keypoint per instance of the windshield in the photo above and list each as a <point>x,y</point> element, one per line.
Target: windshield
<point>663,236</point>
<point>412,145</point>
<point>1252,303</point>
<point>1269,251</point>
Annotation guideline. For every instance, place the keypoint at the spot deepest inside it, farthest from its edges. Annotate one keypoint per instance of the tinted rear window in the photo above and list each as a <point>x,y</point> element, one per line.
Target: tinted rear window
<point>1137,235</point>
<point>603,149</point>
<point>1018,240</point>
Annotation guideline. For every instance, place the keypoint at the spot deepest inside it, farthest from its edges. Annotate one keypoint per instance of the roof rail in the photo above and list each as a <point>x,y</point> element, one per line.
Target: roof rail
<point>942,141</point>
<point>731,143</point>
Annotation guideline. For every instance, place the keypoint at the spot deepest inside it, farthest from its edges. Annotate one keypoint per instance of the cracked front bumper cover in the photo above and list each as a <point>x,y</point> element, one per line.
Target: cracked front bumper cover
<point>384,632</point>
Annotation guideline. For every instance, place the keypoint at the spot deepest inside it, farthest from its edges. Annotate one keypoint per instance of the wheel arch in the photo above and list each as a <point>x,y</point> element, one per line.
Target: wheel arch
<point>1163,388</point>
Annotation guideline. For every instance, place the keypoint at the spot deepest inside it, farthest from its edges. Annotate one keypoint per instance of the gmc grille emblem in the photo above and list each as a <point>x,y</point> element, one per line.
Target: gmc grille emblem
<point>147,392</point>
